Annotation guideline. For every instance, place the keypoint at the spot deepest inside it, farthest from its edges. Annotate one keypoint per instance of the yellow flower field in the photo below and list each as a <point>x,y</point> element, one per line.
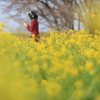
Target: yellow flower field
<point>59,67</point>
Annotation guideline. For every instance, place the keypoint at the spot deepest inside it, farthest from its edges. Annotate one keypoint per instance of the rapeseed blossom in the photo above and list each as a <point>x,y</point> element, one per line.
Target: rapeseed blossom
<point>2,25</point>
<point>89,65</point>
<point>59,67</point>
<point>98,97</point>
<point>53,89</point>
<point>78,84</point>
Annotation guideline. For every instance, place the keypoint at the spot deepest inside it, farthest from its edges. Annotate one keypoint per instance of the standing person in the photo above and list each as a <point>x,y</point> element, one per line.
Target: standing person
<point>34,27</point>
<point>95,23</point>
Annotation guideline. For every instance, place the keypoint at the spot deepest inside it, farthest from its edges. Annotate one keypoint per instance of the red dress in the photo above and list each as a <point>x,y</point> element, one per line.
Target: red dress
<point>34,29</point>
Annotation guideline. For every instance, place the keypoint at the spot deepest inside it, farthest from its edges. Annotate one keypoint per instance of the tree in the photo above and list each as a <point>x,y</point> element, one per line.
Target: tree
<point>85,8</point>
<point>56,14</point>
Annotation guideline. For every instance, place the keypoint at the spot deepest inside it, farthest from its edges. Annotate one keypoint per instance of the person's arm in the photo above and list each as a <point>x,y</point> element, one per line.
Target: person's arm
<point>30,28</point>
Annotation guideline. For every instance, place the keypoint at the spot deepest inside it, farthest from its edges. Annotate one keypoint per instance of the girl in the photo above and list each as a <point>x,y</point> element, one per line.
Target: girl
<point>34,27</point>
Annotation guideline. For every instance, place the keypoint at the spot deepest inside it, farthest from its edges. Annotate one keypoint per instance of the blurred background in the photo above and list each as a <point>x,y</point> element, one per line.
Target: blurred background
<point>53,14</point>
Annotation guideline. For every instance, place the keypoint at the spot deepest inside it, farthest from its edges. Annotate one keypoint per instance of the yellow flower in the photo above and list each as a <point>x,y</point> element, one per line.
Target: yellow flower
<point>72,40</point>
<point>26,62</point>
<point>36,68</point>
<point>71,57</point>
<point>2,25</point>
<point>92,72</point>
<point>53,89</point>
<point>42,46</point>
<point>49,42</point>
<point>28,68</point>
<point>69,63</point>
<point>95,36</point>
<point>32,86</point>
<point>19,42</point>
<point>63,75</point>
<point>78,84</point>
<point>45,56</point>
<point>98,97</point>
<point>57,41</point>
<point>51,33</point>
<point>63,50</point>
<point>96,54</point>
<point>89,65</point>
<point>44,82</point>
<point>17,64</point>
<point>70,31</point>
<point>43,38</point>
<point>33,35</point>
<point>45,66</point>
<point>96,31</point>
<point>90,53</point>
<point>58,79</point>
<point>30,53</point>
<point>78,42</point>
<point>57,54</point>
<point>0,30</point>
<point>82,31</point>
<point>78,94</point>
<point>97,77</point>
<point>56,35</point>
<point>74,72</point>
<point>81,68</point>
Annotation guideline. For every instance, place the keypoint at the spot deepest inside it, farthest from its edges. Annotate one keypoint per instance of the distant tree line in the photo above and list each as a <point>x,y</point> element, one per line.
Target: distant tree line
<point>55,14</point>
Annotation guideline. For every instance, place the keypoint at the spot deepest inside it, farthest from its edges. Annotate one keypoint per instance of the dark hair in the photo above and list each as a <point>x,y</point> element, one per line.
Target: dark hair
<point>33,15</point>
